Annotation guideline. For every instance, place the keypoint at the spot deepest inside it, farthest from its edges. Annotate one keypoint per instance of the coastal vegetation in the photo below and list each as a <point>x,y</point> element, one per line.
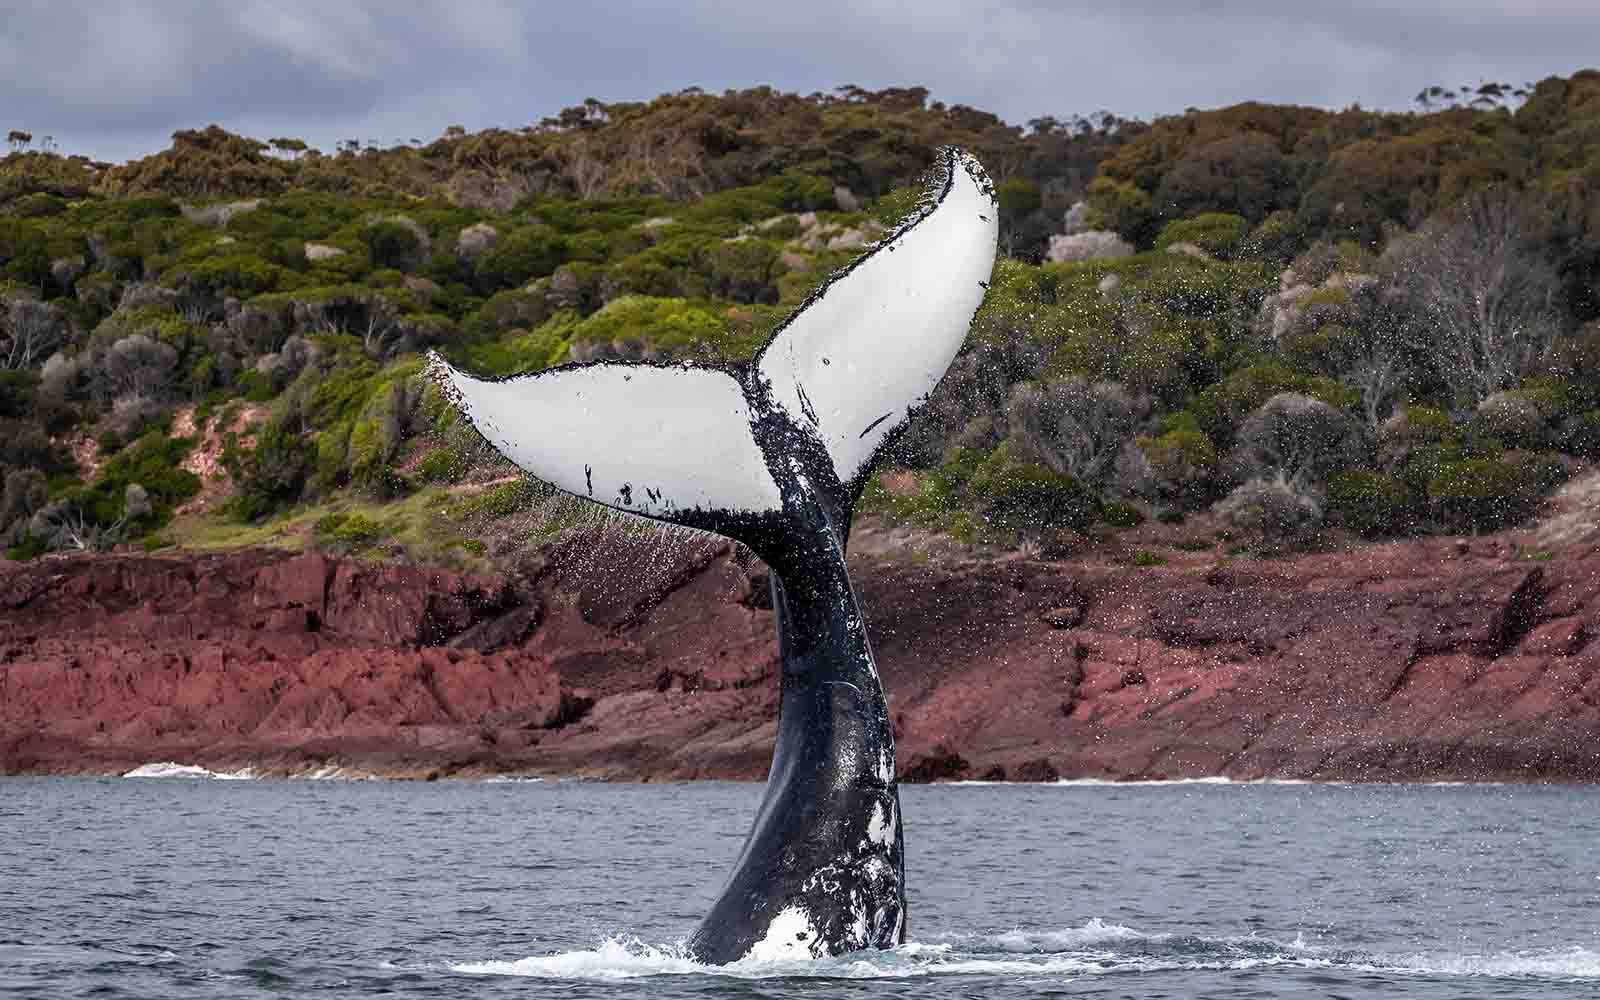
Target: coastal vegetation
<point>1294,320</point>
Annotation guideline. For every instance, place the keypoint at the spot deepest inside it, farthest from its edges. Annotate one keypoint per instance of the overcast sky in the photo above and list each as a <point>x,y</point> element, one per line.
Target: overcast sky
<point>114,79</point>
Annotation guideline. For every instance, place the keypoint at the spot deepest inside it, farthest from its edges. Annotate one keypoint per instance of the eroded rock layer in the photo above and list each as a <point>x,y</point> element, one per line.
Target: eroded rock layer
<point>1423,660</point>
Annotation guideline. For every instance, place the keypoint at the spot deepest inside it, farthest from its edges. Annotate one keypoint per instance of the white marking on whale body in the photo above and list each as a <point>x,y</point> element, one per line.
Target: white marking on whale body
<point>789,936</point>
<point>886,765</point>
<point>880,828</point>
<point>861,928</point>
<point>638,438</point>
<point>873,345</point>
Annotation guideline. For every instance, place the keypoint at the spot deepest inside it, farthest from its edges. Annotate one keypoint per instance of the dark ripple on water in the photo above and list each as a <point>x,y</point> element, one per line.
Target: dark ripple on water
<point>189,888</point>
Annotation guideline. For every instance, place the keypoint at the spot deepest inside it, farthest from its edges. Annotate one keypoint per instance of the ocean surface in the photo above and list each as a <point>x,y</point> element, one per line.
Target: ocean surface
<point>176,887</point>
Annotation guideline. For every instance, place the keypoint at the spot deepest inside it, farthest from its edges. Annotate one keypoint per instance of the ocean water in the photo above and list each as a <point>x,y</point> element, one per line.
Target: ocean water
<point>175,886</point>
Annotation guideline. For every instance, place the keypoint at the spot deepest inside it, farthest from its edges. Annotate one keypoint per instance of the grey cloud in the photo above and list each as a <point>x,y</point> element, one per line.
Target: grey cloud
<point>116,79</point>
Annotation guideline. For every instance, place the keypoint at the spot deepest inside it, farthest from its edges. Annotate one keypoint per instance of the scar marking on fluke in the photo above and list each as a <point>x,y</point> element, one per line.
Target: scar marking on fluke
<point>805,404</point>
<point>876,422</point>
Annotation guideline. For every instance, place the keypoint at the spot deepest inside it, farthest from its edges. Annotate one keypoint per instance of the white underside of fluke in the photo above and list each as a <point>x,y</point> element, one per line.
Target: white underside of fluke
<point>650,440</point>
<point>849,367</point>
<point>861,356</point>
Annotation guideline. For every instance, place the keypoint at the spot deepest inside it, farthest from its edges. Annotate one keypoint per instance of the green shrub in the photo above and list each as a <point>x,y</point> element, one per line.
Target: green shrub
<point>1274,242</point>
<point>18,390</point>
<point>375,439</point>
<point>1028,499</point>
<point>1144,557</point>
<point>666,325</point>
<point>1425,425</point>
<point>270,476</point>
<point>236,274</point>
<point>392,245</point>
<point>1018,197</point>
<point>1327,350</point>
<point>441,466</point>
<point>1220,408</point>
<point>1183,462</point>
<point>1271,512</point>
<point>1217,233</point>
<point>27,548</point>
<point>520,256</point>
<point>1580,435</point>
<point>1121,515</point>
<point>501,501</point>
<point>1556,398</point>
<point>256,386</point>
<point>1510,419</point>
<point>1542,471</point>
<point>1479,494</point>
<point>743,270</point>
<point>1370,503</point>
<point>332,460</point>
<point>1122,207</point>
<point>549,344</point>
<point>151,462</point>
<point>348,531</point>
<point>518,308</point>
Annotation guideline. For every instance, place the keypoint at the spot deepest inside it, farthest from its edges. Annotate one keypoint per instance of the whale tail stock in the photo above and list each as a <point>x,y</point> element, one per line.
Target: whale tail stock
<point>741,449</point>
<point>775,453</point>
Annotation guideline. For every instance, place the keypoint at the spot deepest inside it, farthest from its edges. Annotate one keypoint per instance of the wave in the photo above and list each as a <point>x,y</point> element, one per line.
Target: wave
<point>1095,948</point>
<point>171,769</point>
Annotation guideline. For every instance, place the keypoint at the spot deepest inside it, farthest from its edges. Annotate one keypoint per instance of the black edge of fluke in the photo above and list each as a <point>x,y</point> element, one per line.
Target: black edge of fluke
<point>822,869</point>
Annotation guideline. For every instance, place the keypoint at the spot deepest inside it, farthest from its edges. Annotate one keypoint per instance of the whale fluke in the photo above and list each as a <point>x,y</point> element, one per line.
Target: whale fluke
<point>774,453</point>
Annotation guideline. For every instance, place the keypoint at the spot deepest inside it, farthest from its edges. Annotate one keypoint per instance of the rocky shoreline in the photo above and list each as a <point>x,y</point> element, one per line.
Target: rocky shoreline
<point>609,658</point>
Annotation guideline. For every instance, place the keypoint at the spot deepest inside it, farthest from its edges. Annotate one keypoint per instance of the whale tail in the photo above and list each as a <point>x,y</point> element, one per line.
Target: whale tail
<point>726,448</point>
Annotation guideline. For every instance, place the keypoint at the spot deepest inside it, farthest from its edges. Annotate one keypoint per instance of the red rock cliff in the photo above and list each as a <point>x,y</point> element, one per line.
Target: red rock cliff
<point>1417,660</point>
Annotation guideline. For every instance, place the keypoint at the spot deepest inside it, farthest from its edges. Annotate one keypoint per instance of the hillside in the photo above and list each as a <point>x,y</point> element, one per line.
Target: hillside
<point>1315,326</point>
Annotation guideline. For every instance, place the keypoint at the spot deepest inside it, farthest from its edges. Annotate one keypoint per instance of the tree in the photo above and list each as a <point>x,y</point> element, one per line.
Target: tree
<point>1368,357</point>
<point>137,366</point>
<point>1298,440</point>
<point>1484,298</point>
<point>1073,427</point>
<point>30,331</point>
<point>1273,511</point>
<point>1243,174</point>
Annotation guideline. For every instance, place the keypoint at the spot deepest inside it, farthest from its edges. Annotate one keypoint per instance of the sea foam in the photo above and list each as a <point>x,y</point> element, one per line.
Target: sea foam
<point>1094,948</point>
<point>171,769</point>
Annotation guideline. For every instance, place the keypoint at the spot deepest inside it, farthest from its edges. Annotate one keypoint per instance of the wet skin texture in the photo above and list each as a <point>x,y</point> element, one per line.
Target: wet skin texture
<point>822,871</point>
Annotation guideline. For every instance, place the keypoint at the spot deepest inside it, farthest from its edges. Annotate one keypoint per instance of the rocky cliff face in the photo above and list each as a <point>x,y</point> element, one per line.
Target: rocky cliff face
<point>1421,660</point>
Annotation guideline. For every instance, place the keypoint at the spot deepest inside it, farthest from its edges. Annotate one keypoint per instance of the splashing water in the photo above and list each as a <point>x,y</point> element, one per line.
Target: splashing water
<point>1095,948</point>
